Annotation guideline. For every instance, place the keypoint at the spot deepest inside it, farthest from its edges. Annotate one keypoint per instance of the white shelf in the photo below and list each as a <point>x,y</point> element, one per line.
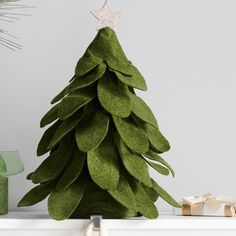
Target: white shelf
<point>39,220</point>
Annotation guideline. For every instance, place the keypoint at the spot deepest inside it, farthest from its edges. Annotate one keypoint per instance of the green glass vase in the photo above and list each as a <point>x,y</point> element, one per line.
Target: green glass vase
<point>10,164</point>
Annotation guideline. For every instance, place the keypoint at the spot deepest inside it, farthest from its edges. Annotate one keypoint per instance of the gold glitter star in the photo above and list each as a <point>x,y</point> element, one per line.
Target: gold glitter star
<point>106,16</point>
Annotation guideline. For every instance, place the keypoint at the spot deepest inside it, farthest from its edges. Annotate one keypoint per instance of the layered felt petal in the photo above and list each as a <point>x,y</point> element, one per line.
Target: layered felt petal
<point>61,205</point>
<point>114,96</point>
<point>164,195</point>
<point>71,103</point>
<point>157,140</point>
<point>72,170</point>
<point>134,80</point>
<point>155,157</point>
<point>103,164</point>
<point>50,116</point>
<point>107,46</point>
<point>152,194</point>
<point>134,163</point>
<point>65,127</point>
<point>92,130</point>
<point>130,133</point>
<point>159,168</point>
<point>46,139</point>
<point>97,200</point>
<point>141,110</point>
<point>123,194</point>
<point>37,194</point>
<point>87,62</point>
<point>60,95</point>
<point>144,204</point>
<point>88,79</point>
<point>51,167</point>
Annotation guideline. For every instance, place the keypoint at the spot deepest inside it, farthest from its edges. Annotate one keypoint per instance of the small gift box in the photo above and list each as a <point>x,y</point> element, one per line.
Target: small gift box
<point>207,205</point>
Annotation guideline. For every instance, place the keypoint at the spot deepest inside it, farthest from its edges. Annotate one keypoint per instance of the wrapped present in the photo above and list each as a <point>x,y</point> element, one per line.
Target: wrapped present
<point>209,205</point>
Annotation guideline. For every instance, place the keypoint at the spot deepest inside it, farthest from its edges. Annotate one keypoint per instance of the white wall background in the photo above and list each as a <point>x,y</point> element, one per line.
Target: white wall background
<point>186,49</point>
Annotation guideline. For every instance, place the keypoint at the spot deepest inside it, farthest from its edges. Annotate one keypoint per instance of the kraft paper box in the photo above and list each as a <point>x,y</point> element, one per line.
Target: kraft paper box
<point>207,205</point>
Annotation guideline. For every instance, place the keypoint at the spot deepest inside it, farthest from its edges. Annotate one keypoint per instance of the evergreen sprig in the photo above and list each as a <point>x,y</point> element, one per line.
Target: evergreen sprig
<point>8,14</point>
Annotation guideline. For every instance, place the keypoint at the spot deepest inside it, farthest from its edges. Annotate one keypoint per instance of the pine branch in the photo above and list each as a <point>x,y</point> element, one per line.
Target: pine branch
<point>7,16</point>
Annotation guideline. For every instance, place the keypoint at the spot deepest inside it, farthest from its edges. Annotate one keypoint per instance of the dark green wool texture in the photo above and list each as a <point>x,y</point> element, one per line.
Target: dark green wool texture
<point>101,142</point>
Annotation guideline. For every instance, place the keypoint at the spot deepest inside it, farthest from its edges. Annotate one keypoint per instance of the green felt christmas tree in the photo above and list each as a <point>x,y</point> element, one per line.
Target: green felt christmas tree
<point>102,139</point>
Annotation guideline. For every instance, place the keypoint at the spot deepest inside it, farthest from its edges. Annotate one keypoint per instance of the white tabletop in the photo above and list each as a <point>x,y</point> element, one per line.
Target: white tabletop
<point>39,220</point>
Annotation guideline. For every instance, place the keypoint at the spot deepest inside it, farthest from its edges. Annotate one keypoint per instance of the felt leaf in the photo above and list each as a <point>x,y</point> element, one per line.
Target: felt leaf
<point>153,195</point>
<point>103,164</point>
<point>141,110</point>
<point>154,149</point>
<point>159,168</point>
<point>157,140</point>
<point>86,63</point>
<point>29,176</point>
<point>164,195</point>
<point>88,79</point>
<point>123,193</point>
<point>122,67</point>
<point>72,78</point>
<point>113,95</point>
<point>134,163</point>
<point>65,127</point>
<point>60,95</point>
<point>51,167</point>
<point>3,167</point>
<point>144,204</point>
<point>97,201</point>
<point>155,157</point>
<point>107,46</point>
<point>12,163</point>
<point>92,130</point>
<point>62,204</point>
<point>71,103</point>
<point>50,116</point>
<point>46,139</point>
<point>37,194</point>
<point>133,137</point>
<point>72,170</point>
<point>134,80</point>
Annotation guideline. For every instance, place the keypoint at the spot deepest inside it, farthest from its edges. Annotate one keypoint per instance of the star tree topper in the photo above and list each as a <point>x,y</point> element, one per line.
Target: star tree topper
<point>106,16</point>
